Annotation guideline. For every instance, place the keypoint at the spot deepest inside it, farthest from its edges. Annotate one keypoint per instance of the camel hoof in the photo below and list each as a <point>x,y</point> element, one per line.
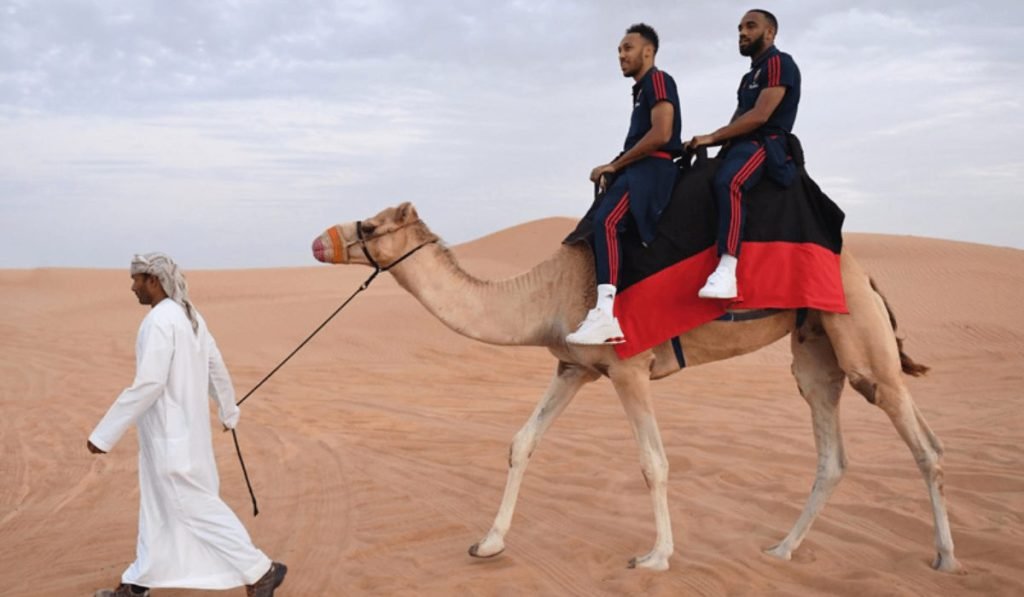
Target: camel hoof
<point>949,564</point>
<point>474,550</point>
<point>777,551</point>
<point>649,562</point>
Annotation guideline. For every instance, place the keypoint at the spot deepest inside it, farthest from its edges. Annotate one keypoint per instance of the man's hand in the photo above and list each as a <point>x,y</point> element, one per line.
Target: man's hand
<point>598,175</point>
<point>92,448</point>
<point>699,141</point>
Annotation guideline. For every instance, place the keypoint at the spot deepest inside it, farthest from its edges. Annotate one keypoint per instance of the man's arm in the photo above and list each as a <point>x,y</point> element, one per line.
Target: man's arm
<point>751,120</point>
<point>735,115</point>
<point>662,115</point>
<point>149,384</point>
<point>222,391</point>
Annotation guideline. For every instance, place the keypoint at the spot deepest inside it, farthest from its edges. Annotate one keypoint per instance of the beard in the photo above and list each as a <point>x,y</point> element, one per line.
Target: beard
<point>754,47</point>
<point>144,295</point>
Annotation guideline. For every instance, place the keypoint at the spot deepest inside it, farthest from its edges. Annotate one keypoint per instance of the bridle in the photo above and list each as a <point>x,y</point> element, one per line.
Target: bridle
<point>361,240</point>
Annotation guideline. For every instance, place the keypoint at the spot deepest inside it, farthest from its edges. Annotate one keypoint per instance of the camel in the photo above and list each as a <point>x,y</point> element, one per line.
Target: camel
<point>541,306</point>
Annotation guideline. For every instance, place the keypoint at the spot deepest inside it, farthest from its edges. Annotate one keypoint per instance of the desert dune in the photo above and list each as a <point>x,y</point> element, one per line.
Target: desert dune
<point>379,453</point>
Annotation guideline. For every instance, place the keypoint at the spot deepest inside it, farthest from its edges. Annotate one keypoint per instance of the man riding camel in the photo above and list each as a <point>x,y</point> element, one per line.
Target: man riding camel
<point>641,176</point>
<point>756,140</point>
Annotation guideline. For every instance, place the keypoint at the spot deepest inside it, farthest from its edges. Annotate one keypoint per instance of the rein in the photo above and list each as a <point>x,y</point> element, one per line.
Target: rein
<point>377,269</point>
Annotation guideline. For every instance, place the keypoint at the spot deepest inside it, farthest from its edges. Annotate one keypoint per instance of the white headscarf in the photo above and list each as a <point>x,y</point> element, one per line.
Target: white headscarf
<point>172,280</point>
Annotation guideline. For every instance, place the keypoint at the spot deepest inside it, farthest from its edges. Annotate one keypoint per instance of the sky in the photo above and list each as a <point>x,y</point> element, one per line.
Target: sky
<point>228,134</point>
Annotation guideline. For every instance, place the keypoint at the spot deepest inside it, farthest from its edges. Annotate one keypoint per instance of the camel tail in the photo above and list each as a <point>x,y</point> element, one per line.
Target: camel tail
<point>909,365</point>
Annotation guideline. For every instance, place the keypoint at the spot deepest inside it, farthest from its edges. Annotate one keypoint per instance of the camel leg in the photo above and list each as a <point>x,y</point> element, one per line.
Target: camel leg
<point>866,348</point>
<point>895,400</point>
<point>820,381</point>
<point>634,389</point>
<point>563,387</point>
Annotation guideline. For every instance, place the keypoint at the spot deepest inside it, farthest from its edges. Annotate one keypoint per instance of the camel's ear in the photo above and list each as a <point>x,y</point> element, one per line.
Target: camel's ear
<point>406,213</point>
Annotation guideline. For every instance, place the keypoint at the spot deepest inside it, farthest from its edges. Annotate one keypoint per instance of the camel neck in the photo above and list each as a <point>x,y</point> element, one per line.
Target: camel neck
<point>520,311</point>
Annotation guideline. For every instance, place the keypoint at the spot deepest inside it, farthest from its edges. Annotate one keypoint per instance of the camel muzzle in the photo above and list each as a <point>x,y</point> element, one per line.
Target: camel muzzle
<point>332,252</point>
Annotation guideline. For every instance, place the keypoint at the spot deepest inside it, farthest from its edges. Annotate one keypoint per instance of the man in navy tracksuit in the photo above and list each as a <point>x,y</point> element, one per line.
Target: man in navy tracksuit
<point>768,98</point>
<point>638,183</point>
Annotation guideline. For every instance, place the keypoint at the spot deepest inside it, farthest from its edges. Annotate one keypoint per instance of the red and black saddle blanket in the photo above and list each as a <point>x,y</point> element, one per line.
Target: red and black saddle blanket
<point>792,240</point>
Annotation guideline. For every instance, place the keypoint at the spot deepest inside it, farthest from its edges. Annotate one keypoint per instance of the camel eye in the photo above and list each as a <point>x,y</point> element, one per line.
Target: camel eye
<point>368,228</point>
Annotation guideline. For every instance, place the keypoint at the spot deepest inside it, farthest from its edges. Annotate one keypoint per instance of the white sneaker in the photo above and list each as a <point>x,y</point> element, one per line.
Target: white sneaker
<point>720,285</point>
<point>597,328</point>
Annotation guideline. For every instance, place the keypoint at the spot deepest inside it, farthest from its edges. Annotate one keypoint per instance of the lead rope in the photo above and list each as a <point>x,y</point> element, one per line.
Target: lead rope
<point>377,269</point>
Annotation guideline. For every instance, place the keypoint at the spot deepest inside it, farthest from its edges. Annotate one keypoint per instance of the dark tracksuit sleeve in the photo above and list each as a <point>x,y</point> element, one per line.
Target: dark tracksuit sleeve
<point>660,87</point>
<point>780,71</point>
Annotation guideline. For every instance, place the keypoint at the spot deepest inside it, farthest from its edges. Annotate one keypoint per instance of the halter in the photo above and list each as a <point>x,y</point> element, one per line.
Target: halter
<point>361,241</point>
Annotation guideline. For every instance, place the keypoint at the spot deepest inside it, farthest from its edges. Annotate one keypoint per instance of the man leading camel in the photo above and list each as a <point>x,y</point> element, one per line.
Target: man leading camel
<point>188,537</point>
<point>768,97</point>
<point>641,177</point>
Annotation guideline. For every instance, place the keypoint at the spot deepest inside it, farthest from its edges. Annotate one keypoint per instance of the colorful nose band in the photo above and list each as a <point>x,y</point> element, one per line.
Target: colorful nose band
<point>338,253</point>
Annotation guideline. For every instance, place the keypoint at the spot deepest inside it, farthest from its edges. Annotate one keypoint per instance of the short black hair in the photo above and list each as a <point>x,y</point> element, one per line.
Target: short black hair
<point>645,31</point>
<point>771,18</point>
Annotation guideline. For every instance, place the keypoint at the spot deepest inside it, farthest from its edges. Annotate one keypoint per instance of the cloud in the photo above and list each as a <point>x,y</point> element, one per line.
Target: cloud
<point>236,130</point>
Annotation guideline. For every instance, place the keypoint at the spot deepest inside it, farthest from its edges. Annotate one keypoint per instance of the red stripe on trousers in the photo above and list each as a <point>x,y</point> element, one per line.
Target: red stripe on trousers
<point>735,197</point>
<point>612,237</point>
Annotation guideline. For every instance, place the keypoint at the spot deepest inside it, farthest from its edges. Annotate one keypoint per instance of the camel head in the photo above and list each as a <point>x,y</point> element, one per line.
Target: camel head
<point>381,240</point>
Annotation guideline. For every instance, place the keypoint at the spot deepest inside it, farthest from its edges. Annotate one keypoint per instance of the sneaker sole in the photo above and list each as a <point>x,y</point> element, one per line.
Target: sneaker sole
<point>616,340</point>
<point>707,295</point>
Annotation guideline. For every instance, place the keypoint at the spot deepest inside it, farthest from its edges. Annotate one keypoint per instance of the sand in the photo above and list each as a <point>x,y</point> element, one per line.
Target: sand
<point>379,453</point>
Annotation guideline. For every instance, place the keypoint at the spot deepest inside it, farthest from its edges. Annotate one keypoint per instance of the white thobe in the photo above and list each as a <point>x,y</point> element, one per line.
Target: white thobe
<point>188,537</point>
